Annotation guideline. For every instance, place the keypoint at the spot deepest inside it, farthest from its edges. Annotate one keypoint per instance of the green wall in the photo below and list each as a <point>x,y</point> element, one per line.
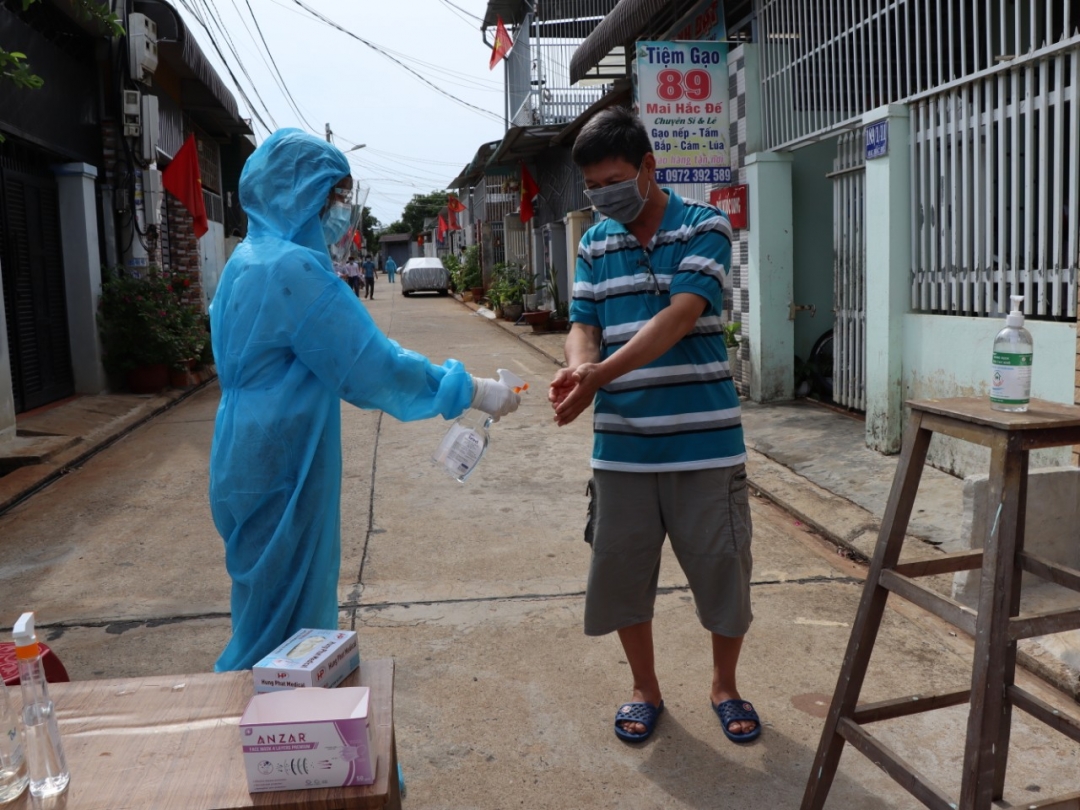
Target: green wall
<point>812,209</point>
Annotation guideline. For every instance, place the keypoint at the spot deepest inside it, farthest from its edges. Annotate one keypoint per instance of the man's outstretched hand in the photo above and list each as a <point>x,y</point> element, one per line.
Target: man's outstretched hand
<point>573,390</point>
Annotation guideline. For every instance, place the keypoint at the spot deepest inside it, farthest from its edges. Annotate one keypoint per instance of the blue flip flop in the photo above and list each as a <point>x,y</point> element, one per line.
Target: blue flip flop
<point>731,711</point>
<point>644,713</point>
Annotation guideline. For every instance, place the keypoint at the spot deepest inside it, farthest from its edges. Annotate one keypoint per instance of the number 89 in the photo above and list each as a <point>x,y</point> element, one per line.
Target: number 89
<point>672,85</point>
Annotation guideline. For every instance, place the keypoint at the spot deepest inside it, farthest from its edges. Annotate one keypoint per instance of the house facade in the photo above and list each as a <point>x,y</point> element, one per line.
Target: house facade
<point>80,191</point>
<point>908,167</point>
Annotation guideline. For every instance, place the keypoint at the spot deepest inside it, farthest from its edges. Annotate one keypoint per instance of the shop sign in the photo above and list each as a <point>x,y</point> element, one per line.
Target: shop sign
<point>682,98</point>
<point>733,201</point>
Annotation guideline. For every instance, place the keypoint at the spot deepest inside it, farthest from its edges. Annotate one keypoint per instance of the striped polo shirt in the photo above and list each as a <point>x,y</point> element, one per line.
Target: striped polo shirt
<point>681,411</point>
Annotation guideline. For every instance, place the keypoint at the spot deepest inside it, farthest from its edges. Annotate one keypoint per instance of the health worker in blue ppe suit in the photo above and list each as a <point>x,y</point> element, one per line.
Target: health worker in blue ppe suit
<point>290,341</point>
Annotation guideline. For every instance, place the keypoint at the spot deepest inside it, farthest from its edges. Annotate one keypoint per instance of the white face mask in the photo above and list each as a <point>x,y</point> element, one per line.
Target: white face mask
<point>621,202</point>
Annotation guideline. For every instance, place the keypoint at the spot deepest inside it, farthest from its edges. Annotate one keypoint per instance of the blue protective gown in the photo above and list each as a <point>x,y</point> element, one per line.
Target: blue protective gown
<point>290,340</point>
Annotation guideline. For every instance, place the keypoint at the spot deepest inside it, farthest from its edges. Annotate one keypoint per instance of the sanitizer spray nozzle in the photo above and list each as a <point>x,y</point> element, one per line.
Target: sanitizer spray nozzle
<point>512,381</point>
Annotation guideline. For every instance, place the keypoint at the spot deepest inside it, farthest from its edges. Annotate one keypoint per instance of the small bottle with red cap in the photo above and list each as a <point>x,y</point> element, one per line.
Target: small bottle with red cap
<point>49,773</point>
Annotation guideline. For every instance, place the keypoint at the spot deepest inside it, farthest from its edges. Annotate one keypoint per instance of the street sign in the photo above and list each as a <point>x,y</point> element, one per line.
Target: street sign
<point>877,139</point>
<point>733,202</point>
<point>682,98</point>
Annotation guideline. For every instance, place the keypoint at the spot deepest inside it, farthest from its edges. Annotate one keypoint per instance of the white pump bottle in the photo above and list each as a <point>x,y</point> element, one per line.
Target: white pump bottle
<point>1010,383</point>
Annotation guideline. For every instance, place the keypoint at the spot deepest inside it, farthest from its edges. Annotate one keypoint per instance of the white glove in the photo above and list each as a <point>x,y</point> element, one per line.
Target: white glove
<point>494,398</point>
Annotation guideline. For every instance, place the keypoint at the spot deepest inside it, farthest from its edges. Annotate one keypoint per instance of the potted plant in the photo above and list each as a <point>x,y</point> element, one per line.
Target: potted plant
<point>560,309</point>
<point>560,320</point>
<point>471,277</point>
<point>146,329</point>
<point>510,286</point>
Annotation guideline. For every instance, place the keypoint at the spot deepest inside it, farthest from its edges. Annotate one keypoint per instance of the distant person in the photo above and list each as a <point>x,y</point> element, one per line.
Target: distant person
<point>352,275</point>
<point>646,350</point>
<point>369,278</point>
<point>391,268</point>
<point>291,342</point>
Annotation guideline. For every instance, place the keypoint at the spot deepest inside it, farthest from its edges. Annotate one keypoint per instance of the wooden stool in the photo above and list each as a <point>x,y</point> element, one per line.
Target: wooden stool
<point>996,627</point>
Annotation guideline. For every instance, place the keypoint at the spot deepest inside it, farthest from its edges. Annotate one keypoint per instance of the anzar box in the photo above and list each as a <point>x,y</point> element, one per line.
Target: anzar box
<point>308,738</point>
<point>308,658</point>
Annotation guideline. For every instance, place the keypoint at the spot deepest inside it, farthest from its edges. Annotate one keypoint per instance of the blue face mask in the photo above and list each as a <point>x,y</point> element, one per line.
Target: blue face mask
<point>335,222</point>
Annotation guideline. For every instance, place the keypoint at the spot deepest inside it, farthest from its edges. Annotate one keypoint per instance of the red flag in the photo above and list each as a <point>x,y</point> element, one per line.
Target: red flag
<point>358,239</point>
<point>181,179</point>
<point>529,190</point>
<point>443,228</point>
<point>455,207</point>
<point>502,45</point>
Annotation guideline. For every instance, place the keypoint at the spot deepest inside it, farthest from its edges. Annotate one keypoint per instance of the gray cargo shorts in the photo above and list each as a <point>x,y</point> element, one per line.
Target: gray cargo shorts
<point>706,515</point>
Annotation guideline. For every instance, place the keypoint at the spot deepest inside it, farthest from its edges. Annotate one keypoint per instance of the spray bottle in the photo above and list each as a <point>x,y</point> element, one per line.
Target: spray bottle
<point>1010,385</point>
<point>49,773</point>
<point>13,776</point>
<point>465,442</point>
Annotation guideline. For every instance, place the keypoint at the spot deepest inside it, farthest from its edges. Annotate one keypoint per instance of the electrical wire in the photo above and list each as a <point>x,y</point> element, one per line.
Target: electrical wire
<point>284,87</point>
<point>215,16</point>
<point>379,49</point>
<point>456,12</point>
<point>464,11</point>
<point>459,77</point>
<point>187,4</point>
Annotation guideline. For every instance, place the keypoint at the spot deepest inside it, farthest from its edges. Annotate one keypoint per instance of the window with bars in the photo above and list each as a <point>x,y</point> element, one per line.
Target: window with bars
<point>993,91</point>
<point>551,35</point>
<point>824,64</point>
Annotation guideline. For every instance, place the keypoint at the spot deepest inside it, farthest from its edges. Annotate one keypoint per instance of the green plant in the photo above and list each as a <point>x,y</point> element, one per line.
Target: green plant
<point>143,321</point>
<point>731,334</point>
<point>510,282</point>
<point>454,267</point>
<point>471,276</point>
<point>553,288</point>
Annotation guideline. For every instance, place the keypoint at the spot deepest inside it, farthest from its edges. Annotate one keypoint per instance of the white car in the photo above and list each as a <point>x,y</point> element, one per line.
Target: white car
<point>425,274</point>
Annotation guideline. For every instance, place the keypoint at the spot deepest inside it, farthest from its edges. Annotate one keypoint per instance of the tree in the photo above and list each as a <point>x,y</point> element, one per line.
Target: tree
<point>397,226</point>
<point>421,207</point>
<point>369,230</point>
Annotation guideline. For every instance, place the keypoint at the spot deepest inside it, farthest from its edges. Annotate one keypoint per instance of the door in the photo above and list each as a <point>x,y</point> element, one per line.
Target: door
<point>32,267</point>
<point>849,271</point>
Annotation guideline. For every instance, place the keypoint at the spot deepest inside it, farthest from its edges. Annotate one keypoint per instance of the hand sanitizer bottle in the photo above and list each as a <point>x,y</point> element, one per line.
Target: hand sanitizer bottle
<point>13,776</point>
<point>465,442</point>
<point>49,773</point>
<point>1010,385</point>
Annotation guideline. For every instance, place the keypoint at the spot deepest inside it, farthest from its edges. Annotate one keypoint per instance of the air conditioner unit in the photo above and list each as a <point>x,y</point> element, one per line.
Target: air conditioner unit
<point>132,113</point>
<point>142,47</point>
<point>150,128</point>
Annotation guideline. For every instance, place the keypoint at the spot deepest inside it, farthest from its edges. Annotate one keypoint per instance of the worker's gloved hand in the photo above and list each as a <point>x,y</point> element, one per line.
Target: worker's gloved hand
<point>494,398</point>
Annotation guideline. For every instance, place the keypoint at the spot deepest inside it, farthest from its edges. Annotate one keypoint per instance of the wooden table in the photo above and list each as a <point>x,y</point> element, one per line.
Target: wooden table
<point>996,626</point>
<point>174,742</point>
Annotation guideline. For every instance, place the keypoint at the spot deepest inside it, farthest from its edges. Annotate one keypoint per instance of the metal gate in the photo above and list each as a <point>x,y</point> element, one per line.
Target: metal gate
<point>33,277</point>
<point>849,271</point>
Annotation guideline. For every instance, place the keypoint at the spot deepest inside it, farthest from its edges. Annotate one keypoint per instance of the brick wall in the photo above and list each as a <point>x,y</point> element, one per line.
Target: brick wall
<point>181,258</point>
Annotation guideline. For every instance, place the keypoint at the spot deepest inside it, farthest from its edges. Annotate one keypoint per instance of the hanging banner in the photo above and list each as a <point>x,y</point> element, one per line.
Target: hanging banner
<point>681,95</point>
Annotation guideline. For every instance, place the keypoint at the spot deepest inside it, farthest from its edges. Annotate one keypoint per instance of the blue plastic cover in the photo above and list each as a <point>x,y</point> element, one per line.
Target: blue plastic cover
<point>290,340</point>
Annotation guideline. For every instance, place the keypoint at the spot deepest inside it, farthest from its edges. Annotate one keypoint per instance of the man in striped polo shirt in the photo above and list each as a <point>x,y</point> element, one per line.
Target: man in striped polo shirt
<point>646,349</point>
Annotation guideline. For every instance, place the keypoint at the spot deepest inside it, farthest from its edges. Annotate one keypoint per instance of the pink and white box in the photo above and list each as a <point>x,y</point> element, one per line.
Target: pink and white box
<point>308,738</point>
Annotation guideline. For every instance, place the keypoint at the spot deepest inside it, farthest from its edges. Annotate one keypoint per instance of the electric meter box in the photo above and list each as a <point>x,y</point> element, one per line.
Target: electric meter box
<point>149,141</point>
<point>142,47</point>
<point>132,113</point>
